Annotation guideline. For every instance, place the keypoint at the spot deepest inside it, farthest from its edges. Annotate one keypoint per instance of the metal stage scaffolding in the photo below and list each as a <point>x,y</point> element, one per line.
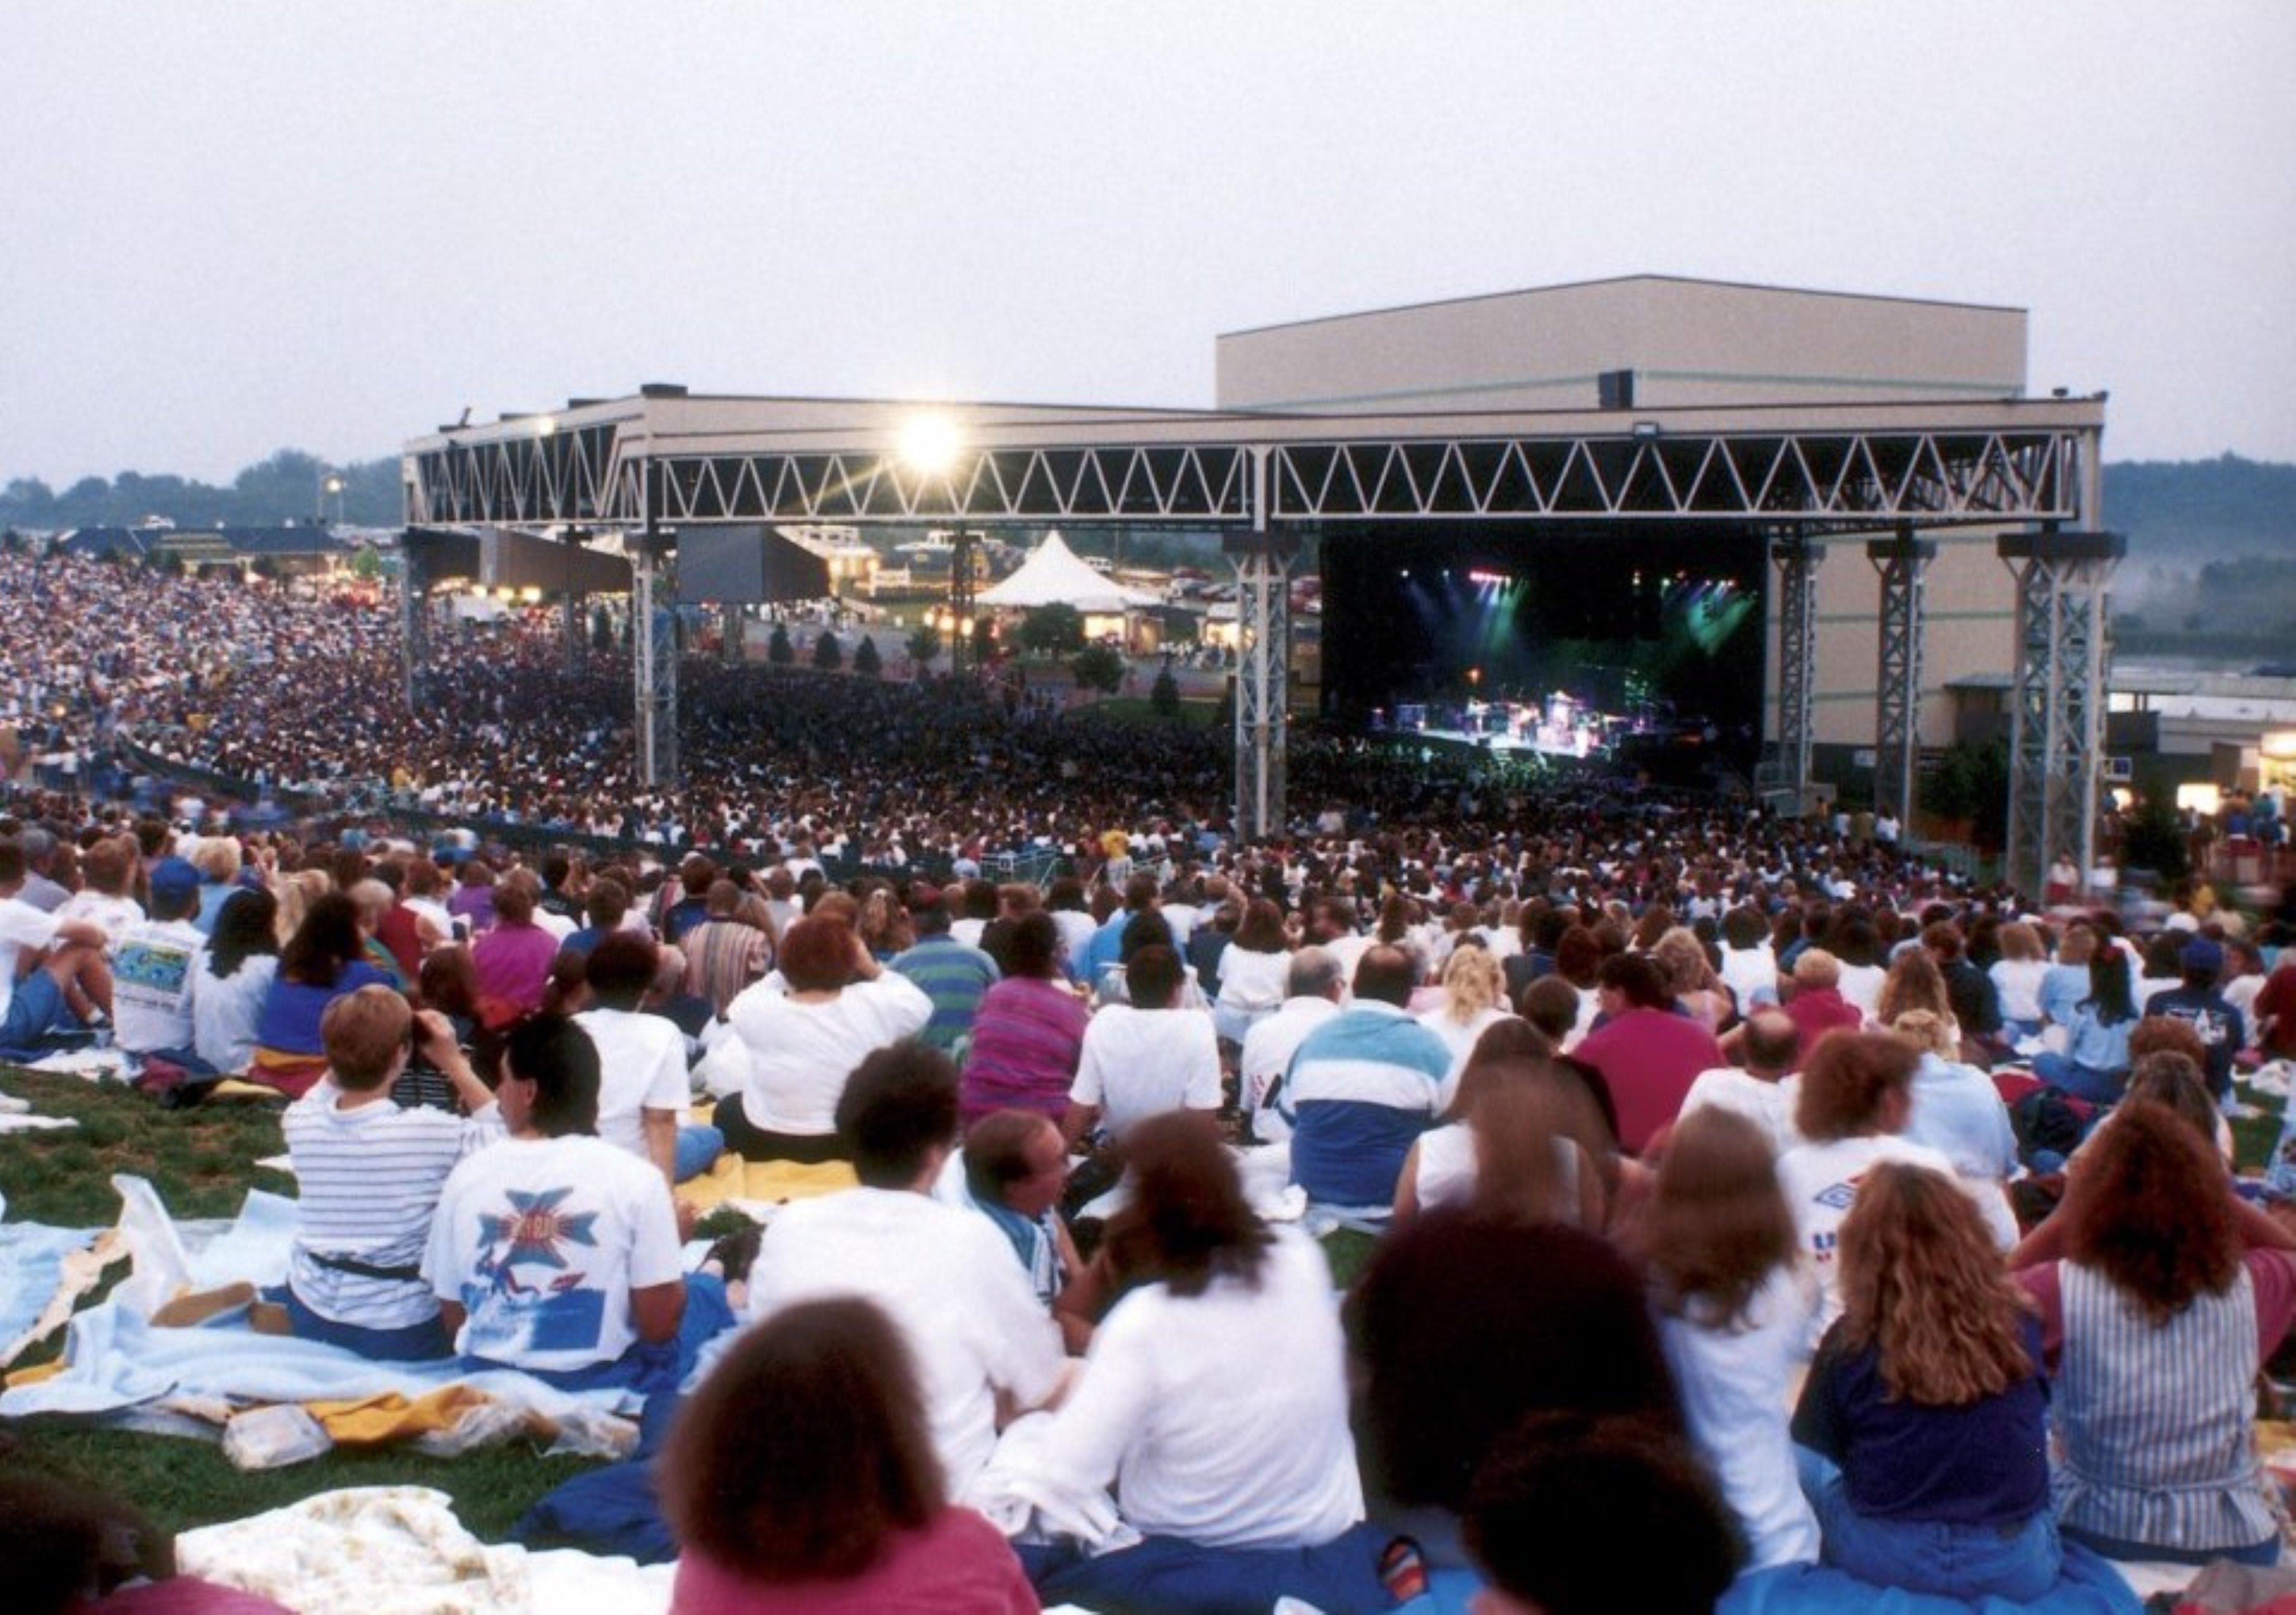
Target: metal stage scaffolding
<point>662,460</point>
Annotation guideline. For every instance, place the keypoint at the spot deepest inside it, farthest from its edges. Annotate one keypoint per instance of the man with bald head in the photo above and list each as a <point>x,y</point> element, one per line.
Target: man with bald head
<point>1363,1085</point>
<point>1764,1090</point>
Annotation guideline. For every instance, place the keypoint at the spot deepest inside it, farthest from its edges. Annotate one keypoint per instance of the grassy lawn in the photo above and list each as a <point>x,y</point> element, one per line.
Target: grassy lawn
<point>202,1163</point>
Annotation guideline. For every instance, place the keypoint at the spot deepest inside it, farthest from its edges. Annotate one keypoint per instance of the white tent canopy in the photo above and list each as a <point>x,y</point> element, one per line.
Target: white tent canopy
<point>1052,574</point>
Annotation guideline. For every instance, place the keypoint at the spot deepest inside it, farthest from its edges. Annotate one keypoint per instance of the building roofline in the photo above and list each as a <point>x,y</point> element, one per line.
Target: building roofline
<point>1613,280</point>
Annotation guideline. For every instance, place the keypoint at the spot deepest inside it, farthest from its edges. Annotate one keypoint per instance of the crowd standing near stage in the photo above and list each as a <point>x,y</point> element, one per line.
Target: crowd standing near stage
<point>1740,1185</point>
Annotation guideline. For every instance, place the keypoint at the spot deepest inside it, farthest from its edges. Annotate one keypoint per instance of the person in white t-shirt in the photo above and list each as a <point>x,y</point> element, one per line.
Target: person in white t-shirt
<point>556,1253</point>
<point>1215,1400</point>
<point>643,1091</point>
<point>1734,1309</point>
<point>55,966</point>
<point>1312,992</point>
<point>1766,1090</point>
<point>151,968</point>
<point>945,1276</point>
<point>839,1005</point>
<point>369,1175</point>
<point>1857,1093</point>
<point>1144,1057</point>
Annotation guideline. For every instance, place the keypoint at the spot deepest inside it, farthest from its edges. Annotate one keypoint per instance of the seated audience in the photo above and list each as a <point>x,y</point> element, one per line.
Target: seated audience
<point>324,959</point>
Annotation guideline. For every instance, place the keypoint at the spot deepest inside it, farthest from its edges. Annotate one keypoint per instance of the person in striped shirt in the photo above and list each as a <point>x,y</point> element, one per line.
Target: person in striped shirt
<point>369,1175</point>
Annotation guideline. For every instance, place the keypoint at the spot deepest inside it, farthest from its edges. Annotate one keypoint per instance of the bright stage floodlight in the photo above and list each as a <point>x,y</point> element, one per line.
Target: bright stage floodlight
<point>930,445</point>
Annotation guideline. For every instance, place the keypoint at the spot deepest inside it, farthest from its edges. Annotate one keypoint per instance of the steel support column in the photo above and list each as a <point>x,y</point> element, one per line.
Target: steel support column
<point>1262,560</point>
<point>730,620</point>
<point>653,636</point>
<point>414,619</point>
<point>1796,560</point>
<point>2057,712</point>
<point>964,559</point>
<point>1901,561</point>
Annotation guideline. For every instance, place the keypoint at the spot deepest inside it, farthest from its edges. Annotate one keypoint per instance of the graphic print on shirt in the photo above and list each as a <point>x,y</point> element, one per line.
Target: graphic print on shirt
<point>546,1311</point>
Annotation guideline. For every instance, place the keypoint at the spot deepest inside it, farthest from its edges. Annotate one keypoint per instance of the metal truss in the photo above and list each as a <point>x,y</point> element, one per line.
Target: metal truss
<point>2057,718</point>
<point>1828,478</point>
<point>1786,773</point>
<point>1836,477</point>
<point>1901,561</point>
<point>576,474</point>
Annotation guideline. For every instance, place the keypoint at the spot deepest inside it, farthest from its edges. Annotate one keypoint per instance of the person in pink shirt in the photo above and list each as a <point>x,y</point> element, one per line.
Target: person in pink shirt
<point>801,1477</point>
<point>512,959</point>
<point>1647,1051</point>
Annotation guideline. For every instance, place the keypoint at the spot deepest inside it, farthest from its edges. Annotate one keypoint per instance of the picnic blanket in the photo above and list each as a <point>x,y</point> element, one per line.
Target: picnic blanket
<point>751,1185</point>
<point>399,1549</point>
<point>36,1266</point>
<point>117,1363</point>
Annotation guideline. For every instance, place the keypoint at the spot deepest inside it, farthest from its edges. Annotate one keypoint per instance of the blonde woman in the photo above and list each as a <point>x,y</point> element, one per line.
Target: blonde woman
<point>1689,976</point>
<point>1474,996</point>
<point>296,894</point>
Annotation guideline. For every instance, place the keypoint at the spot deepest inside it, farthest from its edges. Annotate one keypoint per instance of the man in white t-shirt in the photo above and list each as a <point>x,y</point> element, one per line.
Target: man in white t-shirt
<point>643,1089</point>
<point>1145,1056</point>
<point>948,1278</point>
<point>151,968</point>
<point>556,1253</point>
<point>1763,1093</point>
<point>1313,990</point>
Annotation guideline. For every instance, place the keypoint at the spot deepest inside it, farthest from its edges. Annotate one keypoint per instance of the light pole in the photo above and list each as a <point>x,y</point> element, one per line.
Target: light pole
<point>331,486</point>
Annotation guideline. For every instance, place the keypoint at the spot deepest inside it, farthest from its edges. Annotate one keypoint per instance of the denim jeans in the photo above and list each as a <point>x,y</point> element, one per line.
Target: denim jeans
<point>698,1150</point>
<point>410,1343</point>
<point>2018,1561</point>
<point>2082,1082</point>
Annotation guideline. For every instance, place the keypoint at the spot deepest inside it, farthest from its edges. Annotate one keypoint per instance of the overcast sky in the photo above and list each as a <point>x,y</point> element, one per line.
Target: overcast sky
<point>227,228</point>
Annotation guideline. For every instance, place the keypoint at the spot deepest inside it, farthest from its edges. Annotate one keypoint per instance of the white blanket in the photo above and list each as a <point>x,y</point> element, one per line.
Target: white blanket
<point>399,1549</point>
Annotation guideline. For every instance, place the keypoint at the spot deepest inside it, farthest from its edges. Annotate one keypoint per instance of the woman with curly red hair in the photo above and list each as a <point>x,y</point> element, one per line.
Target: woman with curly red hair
<point>2155,1320</point>
<point>1925,1451</point>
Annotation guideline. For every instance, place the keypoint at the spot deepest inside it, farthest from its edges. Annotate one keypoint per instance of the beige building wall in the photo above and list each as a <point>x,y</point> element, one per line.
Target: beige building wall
<point>1970,626</point>
<point>1687,342</point>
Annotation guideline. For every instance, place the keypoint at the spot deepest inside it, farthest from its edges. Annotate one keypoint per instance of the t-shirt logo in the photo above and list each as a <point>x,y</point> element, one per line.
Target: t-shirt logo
<point>534,1230</point>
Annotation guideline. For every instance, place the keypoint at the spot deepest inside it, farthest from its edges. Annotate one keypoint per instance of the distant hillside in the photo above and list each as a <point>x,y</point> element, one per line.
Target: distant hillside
<point>2180,515</point>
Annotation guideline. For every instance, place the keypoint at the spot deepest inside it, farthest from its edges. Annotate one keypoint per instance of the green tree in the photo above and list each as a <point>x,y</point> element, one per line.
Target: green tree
<point>1164,695</point>
<point>1052,630</point>
<point>779,651</point>
<point>924,643</point>
<point>826,655</point>
<point>1097,667</point>
<point>865,661</point>
<point>366,565</point>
